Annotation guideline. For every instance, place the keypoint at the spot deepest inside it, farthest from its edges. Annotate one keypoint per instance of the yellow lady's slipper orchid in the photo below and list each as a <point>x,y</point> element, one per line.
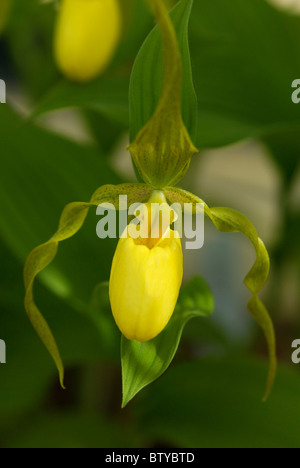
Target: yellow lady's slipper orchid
<point>86,37</point>
<point>147,269</point>
<point>145,280</point>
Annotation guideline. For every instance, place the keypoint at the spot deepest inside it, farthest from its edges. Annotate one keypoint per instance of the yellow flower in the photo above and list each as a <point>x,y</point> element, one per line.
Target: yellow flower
<point>145,280</point>
<point>87,34</point>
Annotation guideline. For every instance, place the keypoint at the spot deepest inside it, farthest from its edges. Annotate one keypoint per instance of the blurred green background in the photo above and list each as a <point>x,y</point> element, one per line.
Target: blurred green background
<point>59,142</point>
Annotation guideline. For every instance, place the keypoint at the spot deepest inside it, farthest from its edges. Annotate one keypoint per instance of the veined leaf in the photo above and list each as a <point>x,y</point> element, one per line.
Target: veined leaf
<point>142,363</point>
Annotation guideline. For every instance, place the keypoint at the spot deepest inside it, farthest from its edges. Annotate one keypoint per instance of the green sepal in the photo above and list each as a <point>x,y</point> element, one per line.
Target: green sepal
<point>163,149</point>
<point>229,220</point>
<point>71,221</point>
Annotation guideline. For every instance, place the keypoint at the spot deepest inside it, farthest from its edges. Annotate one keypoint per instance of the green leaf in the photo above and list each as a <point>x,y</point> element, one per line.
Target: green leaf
<point>245,58</point>
<point>30,38</point>
<point>29,372</point>
<point>231,221</point>
<point>148,75</point>
<point>76,430</point>
<point>4,12</point>
<point>285,149</point>
<point>142,363</point>
<point>137,22</point>
<point>40,174</point>
<point>213,403</point>
<point>107,95</point>
<point>101,314</point>
<point>105,132</point>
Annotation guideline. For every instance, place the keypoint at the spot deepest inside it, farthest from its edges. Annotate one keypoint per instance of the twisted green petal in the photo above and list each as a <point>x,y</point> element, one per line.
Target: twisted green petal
<point>229,220</point>
<point>71,221</point>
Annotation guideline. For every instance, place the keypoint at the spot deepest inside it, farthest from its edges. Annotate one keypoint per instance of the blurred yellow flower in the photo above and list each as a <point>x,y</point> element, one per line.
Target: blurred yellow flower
<point>145,280</point>
<point>86,37</point>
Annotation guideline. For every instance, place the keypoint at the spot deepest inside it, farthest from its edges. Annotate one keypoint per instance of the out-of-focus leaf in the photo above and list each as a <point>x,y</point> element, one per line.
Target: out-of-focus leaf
<point>101,314</point>
<point>29,34</point>
<point>25,377</point>
<point>285,149</point>
<point>148,74</point>
<point>105,132</point>
<point>291,238</point>
<point>245,58</point>
<point>142,363</point>
<point>215,403</point>
<point>137,22</point>
<point>40,173</point>
<point>207,336</point>
<point>107,95</point>
<point>73,430</point>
